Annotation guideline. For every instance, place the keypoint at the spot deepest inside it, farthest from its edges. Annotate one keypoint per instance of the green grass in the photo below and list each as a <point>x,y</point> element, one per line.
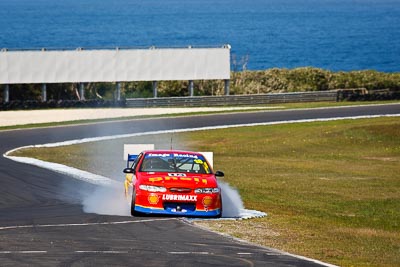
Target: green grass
<point>331,189</point>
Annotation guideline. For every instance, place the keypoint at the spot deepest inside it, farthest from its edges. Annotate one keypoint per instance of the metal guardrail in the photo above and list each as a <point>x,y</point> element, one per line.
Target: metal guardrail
<point>233,100</point>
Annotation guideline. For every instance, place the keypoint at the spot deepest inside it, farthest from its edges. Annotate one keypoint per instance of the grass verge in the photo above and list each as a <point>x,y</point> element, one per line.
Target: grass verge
<point>331,189</point>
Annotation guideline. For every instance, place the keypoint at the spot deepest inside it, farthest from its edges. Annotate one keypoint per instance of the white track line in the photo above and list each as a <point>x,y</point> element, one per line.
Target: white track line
<point>78,251</point>
<point>24,252</point>
<point>190,252</point>
<point>101,252</point>
<point>111,137</point>
<point>81,224</point>
<point>98,179</point>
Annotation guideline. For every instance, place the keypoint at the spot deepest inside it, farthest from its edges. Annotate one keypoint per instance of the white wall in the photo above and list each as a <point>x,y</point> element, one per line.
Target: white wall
<point>17,67</point>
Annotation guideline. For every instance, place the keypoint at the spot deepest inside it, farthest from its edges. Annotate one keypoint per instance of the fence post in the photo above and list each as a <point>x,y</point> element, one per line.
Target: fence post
<point>155,83</point>
<point>227,82</point>
<point>6,93</point>
<point>118,92</point>
<point>81,91</point>
<point>44,92</point>
<point>191,88</point>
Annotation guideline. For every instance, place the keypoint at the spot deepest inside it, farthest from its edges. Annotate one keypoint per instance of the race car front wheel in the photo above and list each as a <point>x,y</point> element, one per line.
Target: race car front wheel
<point>220,214</point>
<point>133,211</point>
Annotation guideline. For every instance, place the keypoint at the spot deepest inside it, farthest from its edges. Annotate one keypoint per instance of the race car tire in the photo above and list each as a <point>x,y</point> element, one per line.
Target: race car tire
<point>133,211</point>
<point>220,214</point>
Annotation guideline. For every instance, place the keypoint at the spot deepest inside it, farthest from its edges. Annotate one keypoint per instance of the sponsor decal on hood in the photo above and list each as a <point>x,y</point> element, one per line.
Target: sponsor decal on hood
<point>170,197</point>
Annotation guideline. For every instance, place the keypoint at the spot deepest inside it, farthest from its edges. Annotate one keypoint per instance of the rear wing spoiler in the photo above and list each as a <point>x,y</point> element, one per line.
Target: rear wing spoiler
<point>131,151</point>
<point>131,158</point>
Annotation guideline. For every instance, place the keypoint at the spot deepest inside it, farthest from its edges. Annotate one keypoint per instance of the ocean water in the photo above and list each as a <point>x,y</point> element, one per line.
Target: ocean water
<point>331,34</point>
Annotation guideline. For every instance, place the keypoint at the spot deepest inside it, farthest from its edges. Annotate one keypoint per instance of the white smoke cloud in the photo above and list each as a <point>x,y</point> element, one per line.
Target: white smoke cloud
<point>232,203</point>
<point>106,200</point>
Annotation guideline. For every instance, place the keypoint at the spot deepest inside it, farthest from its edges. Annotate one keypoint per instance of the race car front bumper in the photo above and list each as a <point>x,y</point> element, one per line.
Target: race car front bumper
<point>202,205</point>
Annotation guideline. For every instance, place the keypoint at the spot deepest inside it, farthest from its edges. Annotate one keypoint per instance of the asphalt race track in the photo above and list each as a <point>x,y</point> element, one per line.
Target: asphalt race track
<point>41,225</point>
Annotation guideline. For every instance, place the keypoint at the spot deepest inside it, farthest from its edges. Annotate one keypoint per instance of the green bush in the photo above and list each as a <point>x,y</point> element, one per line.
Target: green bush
<point>310,79</point>
<point>137,89</point>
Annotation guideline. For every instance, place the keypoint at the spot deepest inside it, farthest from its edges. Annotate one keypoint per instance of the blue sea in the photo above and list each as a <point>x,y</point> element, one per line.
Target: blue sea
<point>330,34</point>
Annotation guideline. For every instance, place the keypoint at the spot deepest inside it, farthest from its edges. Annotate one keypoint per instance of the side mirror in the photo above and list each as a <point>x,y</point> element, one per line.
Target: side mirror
<point>219,174</point>
<point>128,170</point>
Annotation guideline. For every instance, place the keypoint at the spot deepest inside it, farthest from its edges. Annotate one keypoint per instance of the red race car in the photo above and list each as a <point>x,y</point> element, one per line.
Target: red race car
<point>172,182</point>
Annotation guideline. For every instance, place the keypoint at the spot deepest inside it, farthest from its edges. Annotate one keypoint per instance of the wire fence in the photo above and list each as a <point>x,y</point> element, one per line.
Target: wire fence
<point>233,100</point>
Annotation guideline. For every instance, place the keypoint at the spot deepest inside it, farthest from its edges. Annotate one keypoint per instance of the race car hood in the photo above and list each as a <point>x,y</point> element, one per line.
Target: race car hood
<point>179,180</point>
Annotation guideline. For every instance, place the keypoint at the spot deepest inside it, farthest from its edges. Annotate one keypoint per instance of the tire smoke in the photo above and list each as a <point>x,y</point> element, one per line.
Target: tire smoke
<point>232,203</point>
<point>106,200</point>
<point>110,200</point>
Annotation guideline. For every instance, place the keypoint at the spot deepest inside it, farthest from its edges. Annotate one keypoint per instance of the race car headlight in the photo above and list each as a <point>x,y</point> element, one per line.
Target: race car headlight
<point>152,188</point>
<point>206,190</point>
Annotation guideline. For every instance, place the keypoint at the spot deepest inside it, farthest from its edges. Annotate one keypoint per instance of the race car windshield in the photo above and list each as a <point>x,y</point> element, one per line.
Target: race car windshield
<point>175,162</point>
